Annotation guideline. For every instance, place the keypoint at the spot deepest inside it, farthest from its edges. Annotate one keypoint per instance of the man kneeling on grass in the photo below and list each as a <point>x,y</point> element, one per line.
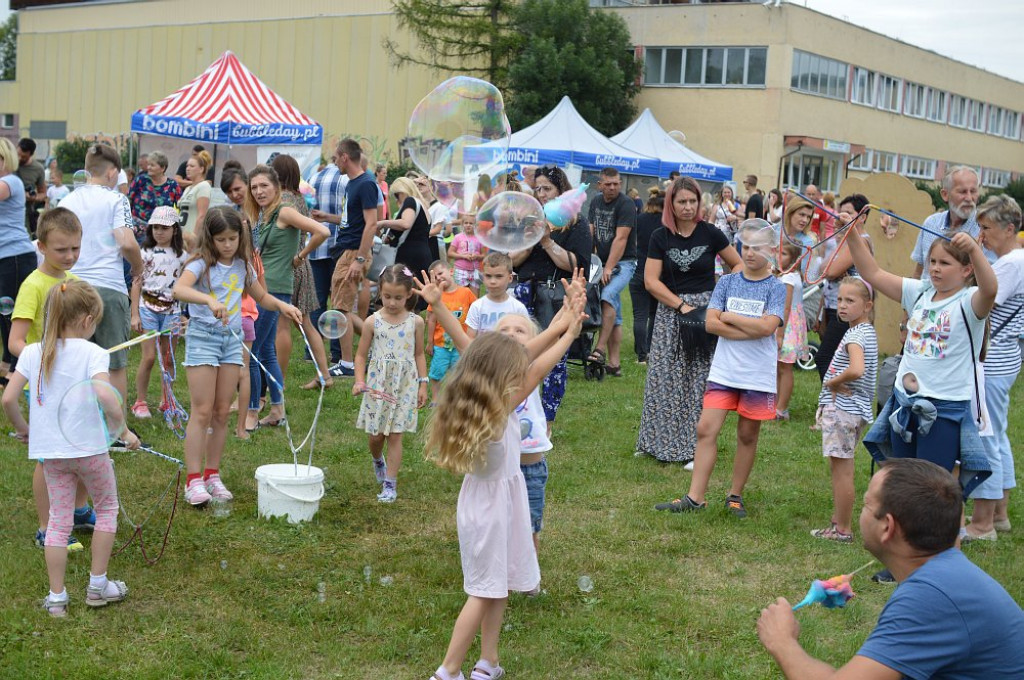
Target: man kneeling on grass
<point>947,617</point>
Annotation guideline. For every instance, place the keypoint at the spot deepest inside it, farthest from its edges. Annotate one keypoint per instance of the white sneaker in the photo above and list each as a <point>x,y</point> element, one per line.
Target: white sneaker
<point>196,494</point>
<point>217,490</point>
<point>388,494</point>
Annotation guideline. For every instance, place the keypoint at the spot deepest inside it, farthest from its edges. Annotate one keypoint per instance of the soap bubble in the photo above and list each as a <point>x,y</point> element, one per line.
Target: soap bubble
<point>332,324</point>
<point>890,226</point>
<point>80,179</point>
<point>760,238</point>
<point>387,580</point>
<point>6,305</point>
<point>585,583</point>
<point>367,572</point>
<point>321,587</point>
<point>220,508</point>
<point>90,415</point>
<point>450,126</point>
<point>510,221</point>
<point>223,564</point>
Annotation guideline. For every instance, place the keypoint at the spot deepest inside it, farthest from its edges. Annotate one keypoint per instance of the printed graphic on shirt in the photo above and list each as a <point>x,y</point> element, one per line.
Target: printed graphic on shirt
<point>232,285</point>
<point>684,258</point>
<point>928,333</point>
<point>754,308</point>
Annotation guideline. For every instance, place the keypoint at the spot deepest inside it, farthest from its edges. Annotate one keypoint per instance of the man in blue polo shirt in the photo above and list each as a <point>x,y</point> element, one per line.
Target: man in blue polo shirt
<point>946,619</point>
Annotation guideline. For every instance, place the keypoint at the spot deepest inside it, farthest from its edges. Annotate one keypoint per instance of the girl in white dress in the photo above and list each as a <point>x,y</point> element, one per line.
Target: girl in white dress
<point>478,434</point>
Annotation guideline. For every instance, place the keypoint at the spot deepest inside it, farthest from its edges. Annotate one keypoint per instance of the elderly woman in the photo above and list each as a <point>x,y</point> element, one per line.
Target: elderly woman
<point>680,274</point>
<point>151,189</point>
<point>1000,220</point>
<point>17,254</point>
<point>541,268</point>
<point>411,227</point>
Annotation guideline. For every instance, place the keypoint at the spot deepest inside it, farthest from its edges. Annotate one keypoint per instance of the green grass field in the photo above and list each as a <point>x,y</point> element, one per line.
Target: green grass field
<point>237,597</point>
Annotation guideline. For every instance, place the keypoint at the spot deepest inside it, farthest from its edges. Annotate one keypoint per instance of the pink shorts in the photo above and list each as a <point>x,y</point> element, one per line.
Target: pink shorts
<point>750,404</point>
<point>248,329</point>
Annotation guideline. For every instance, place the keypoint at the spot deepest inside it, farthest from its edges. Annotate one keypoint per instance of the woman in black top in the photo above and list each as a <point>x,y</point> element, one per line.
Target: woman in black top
<point>414,251</point>
<point>680,274</point>
<point>540,269</point>
<point>644,304</point>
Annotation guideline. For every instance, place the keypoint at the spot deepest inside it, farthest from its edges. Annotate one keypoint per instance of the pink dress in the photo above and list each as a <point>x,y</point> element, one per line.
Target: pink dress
<point>493,517</point>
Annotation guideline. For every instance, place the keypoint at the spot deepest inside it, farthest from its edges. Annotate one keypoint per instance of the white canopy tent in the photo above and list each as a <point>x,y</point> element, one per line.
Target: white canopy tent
<point>647,137</point>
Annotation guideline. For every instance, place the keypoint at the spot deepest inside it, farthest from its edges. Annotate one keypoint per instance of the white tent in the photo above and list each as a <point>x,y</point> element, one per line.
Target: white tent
<point>646,136</point>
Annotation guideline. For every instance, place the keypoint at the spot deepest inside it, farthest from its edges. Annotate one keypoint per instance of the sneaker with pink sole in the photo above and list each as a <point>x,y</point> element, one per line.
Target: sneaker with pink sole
<point>196,494</point>
<point>141,410</point>
<point>215,487</point>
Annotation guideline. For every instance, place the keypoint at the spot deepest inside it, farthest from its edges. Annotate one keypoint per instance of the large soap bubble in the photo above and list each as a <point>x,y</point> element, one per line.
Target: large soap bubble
<point>760,237</point>
<point>459,128</point>
<point>90,415</point>
<point>510,221</point>
<point>332,324</point>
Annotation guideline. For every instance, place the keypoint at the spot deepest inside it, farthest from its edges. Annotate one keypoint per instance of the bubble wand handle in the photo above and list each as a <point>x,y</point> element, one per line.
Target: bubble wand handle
<point>156,453</point>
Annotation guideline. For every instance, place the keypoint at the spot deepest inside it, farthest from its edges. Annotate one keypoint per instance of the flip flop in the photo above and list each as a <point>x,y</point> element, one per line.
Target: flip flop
<point>597,356</point>
<point>273,423</point>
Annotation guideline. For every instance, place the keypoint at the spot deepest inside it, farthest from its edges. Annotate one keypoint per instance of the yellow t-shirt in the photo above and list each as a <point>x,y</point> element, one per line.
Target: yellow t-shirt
<point>31,302</point>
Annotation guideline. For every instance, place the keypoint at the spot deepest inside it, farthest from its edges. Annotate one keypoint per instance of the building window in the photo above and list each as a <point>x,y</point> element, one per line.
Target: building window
<point>918,168</point>
<point>996,116</point>
<point>863,87</point>
<point>873,160</point>
<point>995,178</point>
<point>916,100</point>
<point>889,93</point>
<point>958,111</point>
<point>936,105</point>
<point>1011,127</point>
<point>705,66</point>
<point>818,75</point>
<point>976,115</point>
<point>6,121</point>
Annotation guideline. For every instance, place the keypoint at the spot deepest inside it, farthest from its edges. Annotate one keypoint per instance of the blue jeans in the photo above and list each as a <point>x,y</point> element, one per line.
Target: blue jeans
<point>997,447</point>
<point>264,349</point>
<point>612,293</point>
<point>322,271</point>
<point>536,476</point>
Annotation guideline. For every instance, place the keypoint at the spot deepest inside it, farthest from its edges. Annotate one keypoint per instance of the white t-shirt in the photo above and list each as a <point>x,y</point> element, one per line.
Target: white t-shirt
<point>533,425</point>
<point>747,364</point>
<point>77,360</point>
<point>122,178</point>
<point>793,279</point>
<point>56,194</point>
<point>101,211</point>
<point>439,213</point>
<point>938,351</point>
<point>484,313</point>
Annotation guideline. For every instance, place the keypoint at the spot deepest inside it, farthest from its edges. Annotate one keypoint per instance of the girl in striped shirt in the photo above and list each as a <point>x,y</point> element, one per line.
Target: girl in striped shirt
<point>846,400</point>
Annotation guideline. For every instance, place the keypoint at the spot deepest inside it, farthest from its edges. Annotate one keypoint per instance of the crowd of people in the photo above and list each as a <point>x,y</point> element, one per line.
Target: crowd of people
<point>483,338</point>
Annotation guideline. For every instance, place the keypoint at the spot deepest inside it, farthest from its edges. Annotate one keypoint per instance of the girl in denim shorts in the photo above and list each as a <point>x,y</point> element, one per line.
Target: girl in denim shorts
<point>213,283</point>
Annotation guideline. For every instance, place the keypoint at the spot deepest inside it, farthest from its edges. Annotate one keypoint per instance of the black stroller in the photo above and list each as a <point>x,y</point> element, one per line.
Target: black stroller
<point>582,347</point>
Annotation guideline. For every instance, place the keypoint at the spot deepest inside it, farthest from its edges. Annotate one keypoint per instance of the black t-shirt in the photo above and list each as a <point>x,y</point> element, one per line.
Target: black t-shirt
<point>415,252</point>
<point>755,204</point>
<point>607,218</point>
<point>360,195</point>
<point>575,238</point>
<point>688,263</point>
<point>646,224</point>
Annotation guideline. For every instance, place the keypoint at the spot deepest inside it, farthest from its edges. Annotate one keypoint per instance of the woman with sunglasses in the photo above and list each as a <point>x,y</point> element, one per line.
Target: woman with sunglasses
<point>541,268</point>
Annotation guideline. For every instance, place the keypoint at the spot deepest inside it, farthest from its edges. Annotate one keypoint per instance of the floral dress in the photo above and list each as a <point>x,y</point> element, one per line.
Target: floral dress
<point>794,341</point>
<point>390,376</point>
<point>144,196</point>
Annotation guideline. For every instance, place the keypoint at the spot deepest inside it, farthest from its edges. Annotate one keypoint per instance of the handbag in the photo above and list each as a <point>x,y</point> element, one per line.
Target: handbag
<point>694,340</point>
<point>385,255</point>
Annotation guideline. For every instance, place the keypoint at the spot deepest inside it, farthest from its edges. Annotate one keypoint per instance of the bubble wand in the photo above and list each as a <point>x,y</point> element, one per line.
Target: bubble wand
<point>175,482</point>
<point>833,592</point>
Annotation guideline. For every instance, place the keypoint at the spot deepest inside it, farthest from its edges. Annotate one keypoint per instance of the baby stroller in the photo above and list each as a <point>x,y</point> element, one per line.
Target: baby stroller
<point>582,346</point>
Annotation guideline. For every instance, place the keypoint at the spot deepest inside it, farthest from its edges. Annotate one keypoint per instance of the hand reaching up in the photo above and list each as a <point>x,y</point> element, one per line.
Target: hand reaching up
<point>427,288</point>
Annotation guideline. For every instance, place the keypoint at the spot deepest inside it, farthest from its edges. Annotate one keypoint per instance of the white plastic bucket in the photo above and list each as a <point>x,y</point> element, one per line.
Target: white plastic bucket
<point>284,489</point>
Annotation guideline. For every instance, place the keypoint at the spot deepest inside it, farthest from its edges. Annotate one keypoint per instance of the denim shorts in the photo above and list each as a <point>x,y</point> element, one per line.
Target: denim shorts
<point>207,345</point>
<point>157,321</point>
<point>612,292</point>
<point>536,476</point>
<point>442,362</point>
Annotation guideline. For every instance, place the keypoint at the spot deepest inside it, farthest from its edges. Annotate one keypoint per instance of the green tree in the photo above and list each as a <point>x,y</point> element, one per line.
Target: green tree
<point>472,37</point>
<point>571,49</point>
<point>9,47</point>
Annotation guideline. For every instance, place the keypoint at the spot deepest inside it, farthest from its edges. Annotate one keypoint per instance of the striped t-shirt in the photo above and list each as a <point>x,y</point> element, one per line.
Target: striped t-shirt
<point>1007,317</point>
<point>861,402</point>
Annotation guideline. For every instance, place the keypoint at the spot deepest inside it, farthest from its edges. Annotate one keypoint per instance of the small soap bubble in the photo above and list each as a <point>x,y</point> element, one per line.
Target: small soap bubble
<point>367,572</point>
<point>223,564</point>
<point>585,584</point>
<point>280,565</point>
<point>387,580</point>
<point>332,324</point>
<point>321,587</point>
<point>6,305</point>
<point>220,509</point>
<point>321,597</point>
<point>79,179</point>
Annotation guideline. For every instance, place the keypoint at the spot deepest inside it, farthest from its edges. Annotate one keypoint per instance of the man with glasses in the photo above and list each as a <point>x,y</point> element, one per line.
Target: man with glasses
<point>612,221</point>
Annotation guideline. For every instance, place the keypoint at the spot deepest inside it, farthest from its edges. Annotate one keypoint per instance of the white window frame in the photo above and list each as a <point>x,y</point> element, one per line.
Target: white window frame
<point>7,121</point>
<point>915,100</point>
<point>996,119</point>
<point>993,178</point>
<point>686,52</point>
<point>958,110</point>
<point>822,70</point>
<point>873,160</point>
<point>937,107</point>
<point>976,115</point>
<point>1011,128</point>
<point>917,168</point>
<point>889,87</point>
<point>866,94</point>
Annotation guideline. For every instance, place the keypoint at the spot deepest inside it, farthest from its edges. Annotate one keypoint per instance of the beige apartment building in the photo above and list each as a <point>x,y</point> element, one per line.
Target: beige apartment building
<point>786,93</point>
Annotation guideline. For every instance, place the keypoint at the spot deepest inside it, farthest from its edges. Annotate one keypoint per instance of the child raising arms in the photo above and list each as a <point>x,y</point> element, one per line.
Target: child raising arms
<point>212,285</point>
<point>845,402</point>
<point>73,308</point>
<point>153,305</point>
<point>391,374</point>
<point>479,436</point>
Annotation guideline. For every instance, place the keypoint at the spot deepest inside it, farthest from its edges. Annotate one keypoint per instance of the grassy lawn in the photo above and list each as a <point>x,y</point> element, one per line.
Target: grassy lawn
<point>237,597</point>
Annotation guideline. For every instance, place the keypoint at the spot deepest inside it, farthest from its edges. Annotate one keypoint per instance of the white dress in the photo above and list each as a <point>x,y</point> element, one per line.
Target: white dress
<point>493,517</point>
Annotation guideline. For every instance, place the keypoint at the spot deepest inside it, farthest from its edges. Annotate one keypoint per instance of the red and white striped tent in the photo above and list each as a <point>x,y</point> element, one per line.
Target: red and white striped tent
<point>228,104</point>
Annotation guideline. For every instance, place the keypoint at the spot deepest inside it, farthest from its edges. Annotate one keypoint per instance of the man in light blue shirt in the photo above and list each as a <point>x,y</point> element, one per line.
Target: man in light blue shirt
<point>946,619</point>
<point>330,185</point>
<point>960,191</point>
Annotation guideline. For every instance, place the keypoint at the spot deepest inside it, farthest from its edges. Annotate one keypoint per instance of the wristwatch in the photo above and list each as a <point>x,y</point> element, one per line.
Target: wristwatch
<point>360,259</point>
